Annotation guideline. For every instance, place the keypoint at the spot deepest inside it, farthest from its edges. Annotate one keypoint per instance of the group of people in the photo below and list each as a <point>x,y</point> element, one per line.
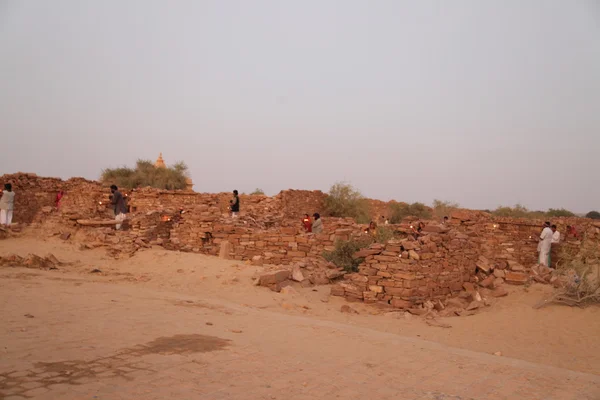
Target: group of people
<point>314,226</point>
<point>549,239</point>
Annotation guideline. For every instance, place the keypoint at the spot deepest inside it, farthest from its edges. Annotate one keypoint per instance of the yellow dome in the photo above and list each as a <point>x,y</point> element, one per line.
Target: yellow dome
<point>160,163</point>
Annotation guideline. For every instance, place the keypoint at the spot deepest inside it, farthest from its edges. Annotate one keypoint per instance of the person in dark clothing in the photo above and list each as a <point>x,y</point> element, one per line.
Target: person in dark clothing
<point>234,205</point>
<point>317,226</point>
<point>119,207</point>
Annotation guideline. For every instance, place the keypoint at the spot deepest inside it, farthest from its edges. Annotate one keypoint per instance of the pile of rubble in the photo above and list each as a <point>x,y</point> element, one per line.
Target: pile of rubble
<point>301,273</point>
<point>48,262</point>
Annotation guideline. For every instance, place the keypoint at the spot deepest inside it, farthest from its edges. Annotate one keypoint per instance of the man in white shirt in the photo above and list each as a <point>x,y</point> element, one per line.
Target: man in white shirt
<point>555,235</point>
<point>545,245</point>
<point>554,245</point>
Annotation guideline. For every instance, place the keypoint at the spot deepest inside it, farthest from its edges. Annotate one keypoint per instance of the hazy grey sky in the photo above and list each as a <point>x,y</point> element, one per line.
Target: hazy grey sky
<point>479,102</point>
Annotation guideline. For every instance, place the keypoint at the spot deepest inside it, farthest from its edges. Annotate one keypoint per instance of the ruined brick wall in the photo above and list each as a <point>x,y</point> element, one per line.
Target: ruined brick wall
<point>253,240</point>
<point>33,194</point>
<point>407,272</point>
<point>296,203</point>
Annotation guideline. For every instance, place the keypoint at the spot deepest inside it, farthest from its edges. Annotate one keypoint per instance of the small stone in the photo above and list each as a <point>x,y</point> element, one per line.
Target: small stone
<point>273,278</point>
<point>498,353</point>
<point>65,236</point>
<point>236,331</point>
<point>413,255</point>
<point>348,310</point>
<point>288,290</point>
<point>499,273</point>
<point>297,274</point>
<point>473,306</point>
<point>515,266</point>
<point>209,323</point>
<point>487,282</point>
<point>28,316</point>
<point>516,278</point>
<point>499,292</point>
<point>439,324</point>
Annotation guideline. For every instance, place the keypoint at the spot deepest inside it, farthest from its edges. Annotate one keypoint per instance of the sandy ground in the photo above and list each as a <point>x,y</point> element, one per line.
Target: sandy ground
<point>555,335</point>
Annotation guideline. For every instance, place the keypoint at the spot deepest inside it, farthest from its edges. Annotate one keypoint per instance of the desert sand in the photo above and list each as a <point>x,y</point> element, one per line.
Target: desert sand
<point>77,305</point>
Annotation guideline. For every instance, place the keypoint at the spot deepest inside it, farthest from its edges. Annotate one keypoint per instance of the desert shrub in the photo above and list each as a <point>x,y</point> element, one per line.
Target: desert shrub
<point>518,211</point>
<point>442,209</point>
<point>258,191</point>
<point>341,255</point>
<point>579,269</point>
<point>146,174</point>
<point>559,212</point>
<point>345,201</point>
<point>383,234</point>
<point>399,211</point>
<point>593,215</point>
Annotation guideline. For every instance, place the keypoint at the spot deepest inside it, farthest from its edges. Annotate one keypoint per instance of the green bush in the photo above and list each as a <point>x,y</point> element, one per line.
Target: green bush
<point>341,256</point>
<point>399,211</point>
<point>345,201</point>
<point>593,215</point>
<point>559,212</point>
<point>519,211</point>
<point>146,174</point>
<point>258,191</point>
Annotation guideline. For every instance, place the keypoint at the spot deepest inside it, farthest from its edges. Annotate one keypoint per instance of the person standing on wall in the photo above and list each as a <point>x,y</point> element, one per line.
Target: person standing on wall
<point>317,226</point>
<point>545,244</point>
<point>307,224</point>
<point>7,205</point>
<point>118,202</point>
<point>234,205</point>
<point>59,197</point>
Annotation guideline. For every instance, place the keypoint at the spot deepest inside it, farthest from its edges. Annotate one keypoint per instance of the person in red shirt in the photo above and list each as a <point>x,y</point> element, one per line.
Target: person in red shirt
<point>571,230</point>
<point>59,196</point>
<point>307,223</point>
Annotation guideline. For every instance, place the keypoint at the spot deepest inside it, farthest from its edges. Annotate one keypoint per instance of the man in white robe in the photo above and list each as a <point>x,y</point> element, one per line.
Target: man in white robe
<point>545,244</point>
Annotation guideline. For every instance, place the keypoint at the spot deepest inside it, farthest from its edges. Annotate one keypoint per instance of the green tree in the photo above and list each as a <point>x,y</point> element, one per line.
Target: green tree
<point>443,208</point>
<point>593,215</point>
<point>146,174</point>
<point>399,211</point>
<point>559,212</point>
<point>344,201</point>
<point>518,211</point>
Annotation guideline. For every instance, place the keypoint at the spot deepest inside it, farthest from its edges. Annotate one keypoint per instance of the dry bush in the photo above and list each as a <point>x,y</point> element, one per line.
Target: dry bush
<point>383,234</point>
<point>579,274</point>
<point>257,192</point>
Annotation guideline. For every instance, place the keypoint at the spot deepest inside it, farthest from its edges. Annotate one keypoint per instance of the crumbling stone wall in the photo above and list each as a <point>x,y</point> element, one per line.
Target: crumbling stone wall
<point>402,272</point>
<point>407,272</point>
<point>33,194</point>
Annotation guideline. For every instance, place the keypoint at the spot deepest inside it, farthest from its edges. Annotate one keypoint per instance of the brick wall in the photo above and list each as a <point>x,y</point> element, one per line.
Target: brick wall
<point>402,272</point>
